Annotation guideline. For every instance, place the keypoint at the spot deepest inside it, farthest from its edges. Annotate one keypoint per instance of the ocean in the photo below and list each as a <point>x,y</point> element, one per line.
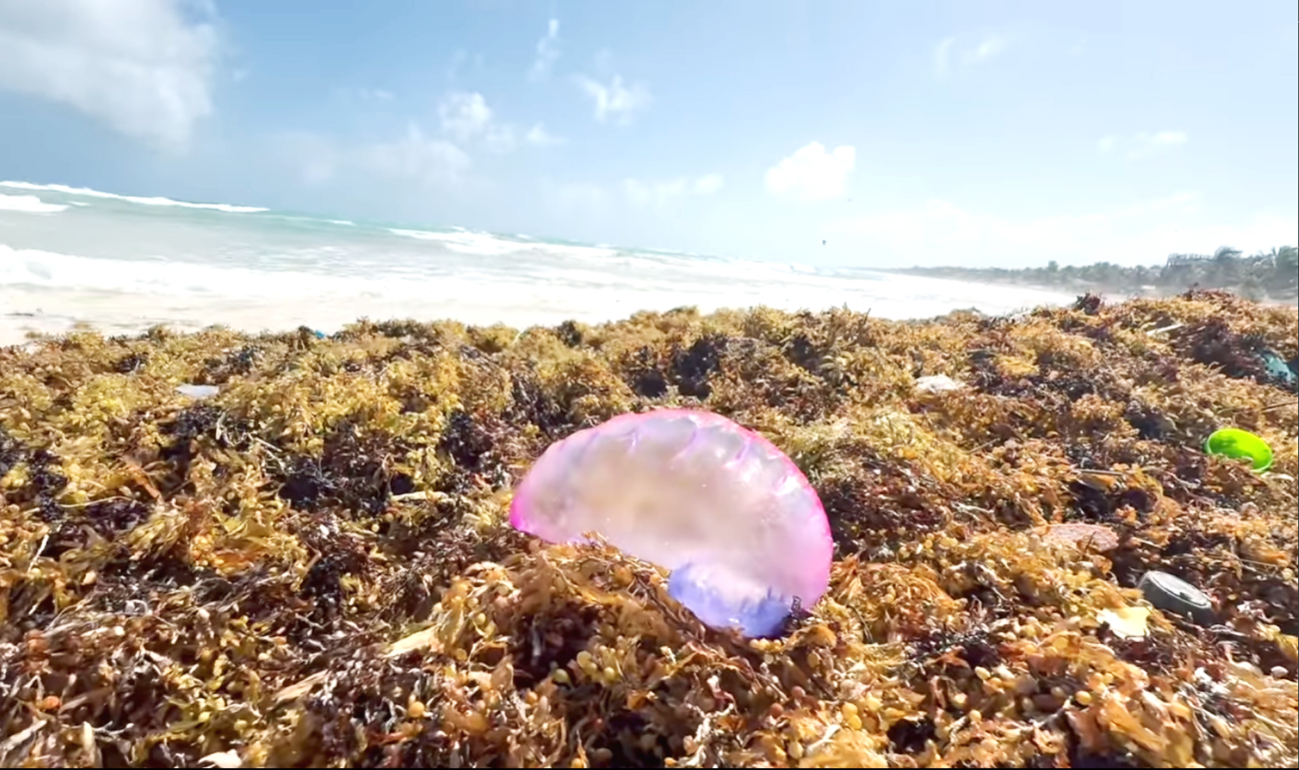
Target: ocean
<point>121,263</point>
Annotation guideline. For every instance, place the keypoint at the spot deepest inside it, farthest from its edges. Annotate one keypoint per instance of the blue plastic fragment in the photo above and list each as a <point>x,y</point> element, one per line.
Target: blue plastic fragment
<point>1277,367</point>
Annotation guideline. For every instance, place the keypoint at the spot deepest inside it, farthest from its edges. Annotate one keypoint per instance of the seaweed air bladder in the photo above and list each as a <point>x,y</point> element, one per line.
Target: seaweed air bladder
<point>736,522</point>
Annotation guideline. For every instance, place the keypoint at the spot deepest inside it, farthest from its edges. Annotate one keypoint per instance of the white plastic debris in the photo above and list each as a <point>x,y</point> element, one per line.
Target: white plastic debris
<point>1166,329</point>
<point>937,383</point>
<point>198,391</point>
<point>1126,622</point>
<point>222,759</point>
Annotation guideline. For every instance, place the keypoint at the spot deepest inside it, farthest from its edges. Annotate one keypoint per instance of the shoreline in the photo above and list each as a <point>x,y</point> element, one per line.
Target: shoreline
<point>111,313</point>
<point>58,311</point>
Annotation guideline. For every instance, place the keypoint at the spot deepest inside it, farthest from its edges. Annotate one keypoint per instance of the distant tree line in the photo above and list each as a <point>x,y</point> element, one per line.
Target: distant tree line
<point>1272,275</point>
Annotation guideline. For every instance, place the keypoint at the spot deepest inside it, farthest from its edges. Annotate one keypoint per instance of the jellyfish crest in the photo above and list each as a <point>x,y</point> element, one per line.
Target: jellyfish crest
<point>723,509</point>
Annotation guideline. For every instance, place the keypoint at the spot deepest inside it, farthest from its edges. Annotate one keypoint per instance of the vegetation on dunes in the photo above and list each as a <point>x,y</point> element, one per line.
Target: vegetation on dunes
<point>1272,275</point>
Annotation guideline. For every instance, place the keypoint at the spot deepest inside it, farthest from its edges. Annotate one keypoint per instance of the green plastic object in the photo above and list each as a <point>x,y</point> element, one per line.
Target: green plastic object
<point>1240,445</point>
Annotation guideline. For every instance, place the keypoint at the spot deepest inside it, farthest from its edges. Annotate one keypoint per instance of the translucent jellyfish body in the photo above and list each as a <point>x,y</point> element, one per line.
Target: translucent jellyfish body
<point>734,520</point>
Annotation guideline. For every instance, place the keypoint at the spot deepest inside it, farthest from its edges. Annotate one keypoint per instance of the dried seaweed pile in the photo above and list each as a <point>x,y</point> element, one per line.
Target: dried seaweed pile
<point>311,566</point>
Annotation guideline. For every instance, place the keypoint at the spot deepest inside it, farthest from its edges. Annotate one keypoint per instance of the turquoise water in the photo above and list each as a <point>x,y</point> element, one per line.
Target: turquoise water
<point>58,243</point>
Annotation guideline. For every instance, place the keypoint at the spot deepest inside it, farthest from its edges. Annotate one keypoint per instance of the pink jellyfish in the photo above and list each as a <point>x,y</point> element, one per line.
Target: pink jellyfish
<point>735,521</point>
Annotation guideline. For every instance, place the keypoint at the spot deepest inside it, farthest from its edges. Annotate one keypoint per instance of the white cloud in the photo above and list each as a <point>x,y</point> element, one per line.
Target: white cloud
<point>142,66</point>
<point>707,185</point>
<point>467,118</point>
<point>363,94</point>
<point>464,115</point>
<point>616,101</point>
<point>584,201</point>
<point>956,50</point>
<point>942,233</point>
<point>1185,200</point>
<point>812,173</point>
<point>315,158</point>
<point>415,156</point>
<point>465,122</point>
<point>540,137</point>
<point>659,194</point>
<point>1142,144</point>
<point>547,52</point>
<point>500,139</point>
<point>457,61</point>
<point>988,48</point>
<point>1165,139</point>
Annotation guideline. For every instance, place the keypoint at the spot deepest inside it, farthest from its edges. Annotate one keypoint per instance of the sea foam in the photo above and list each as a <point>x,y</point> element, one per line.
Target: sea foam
<point>28,203</point>
<point>145,201</point>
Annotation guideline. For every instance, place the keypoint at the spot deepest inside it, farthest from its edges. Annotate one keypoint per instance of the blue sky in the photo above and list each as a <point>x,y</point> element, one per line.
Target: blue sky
<point>944,132</point>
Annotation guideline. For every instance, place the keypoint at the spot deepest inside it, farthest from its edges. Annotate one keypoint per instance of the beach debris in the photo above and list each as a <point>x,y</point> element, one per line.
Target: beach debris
<point>222,759</point>
<point>938,383</point>
<point>1172,594</point>
<point>739,527</point>
<point>1126,622</point>
<point>1277,366</point>
<point>198,391</point>
<point>1095,537</point>
<point>1166,329</point>
<point>1101,481</point>
<point>1240,444</point>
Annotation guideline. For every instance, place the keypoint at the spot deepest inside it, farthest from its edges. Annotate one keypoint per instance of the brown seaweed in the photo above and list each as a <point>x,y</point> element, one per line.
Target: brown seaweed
<point>312,569</point>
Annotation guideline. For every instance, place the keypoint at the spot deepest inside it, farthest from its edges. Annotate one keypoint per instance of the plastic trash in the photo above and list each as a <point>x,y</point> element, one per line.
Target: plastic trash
<point>1278,368</point>
<point>1240,444</point>
<point>1126,622</point>
<point>198,391</point>
<point>937,383</point>
<point>1172,594</point>
<point>735,521</point>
